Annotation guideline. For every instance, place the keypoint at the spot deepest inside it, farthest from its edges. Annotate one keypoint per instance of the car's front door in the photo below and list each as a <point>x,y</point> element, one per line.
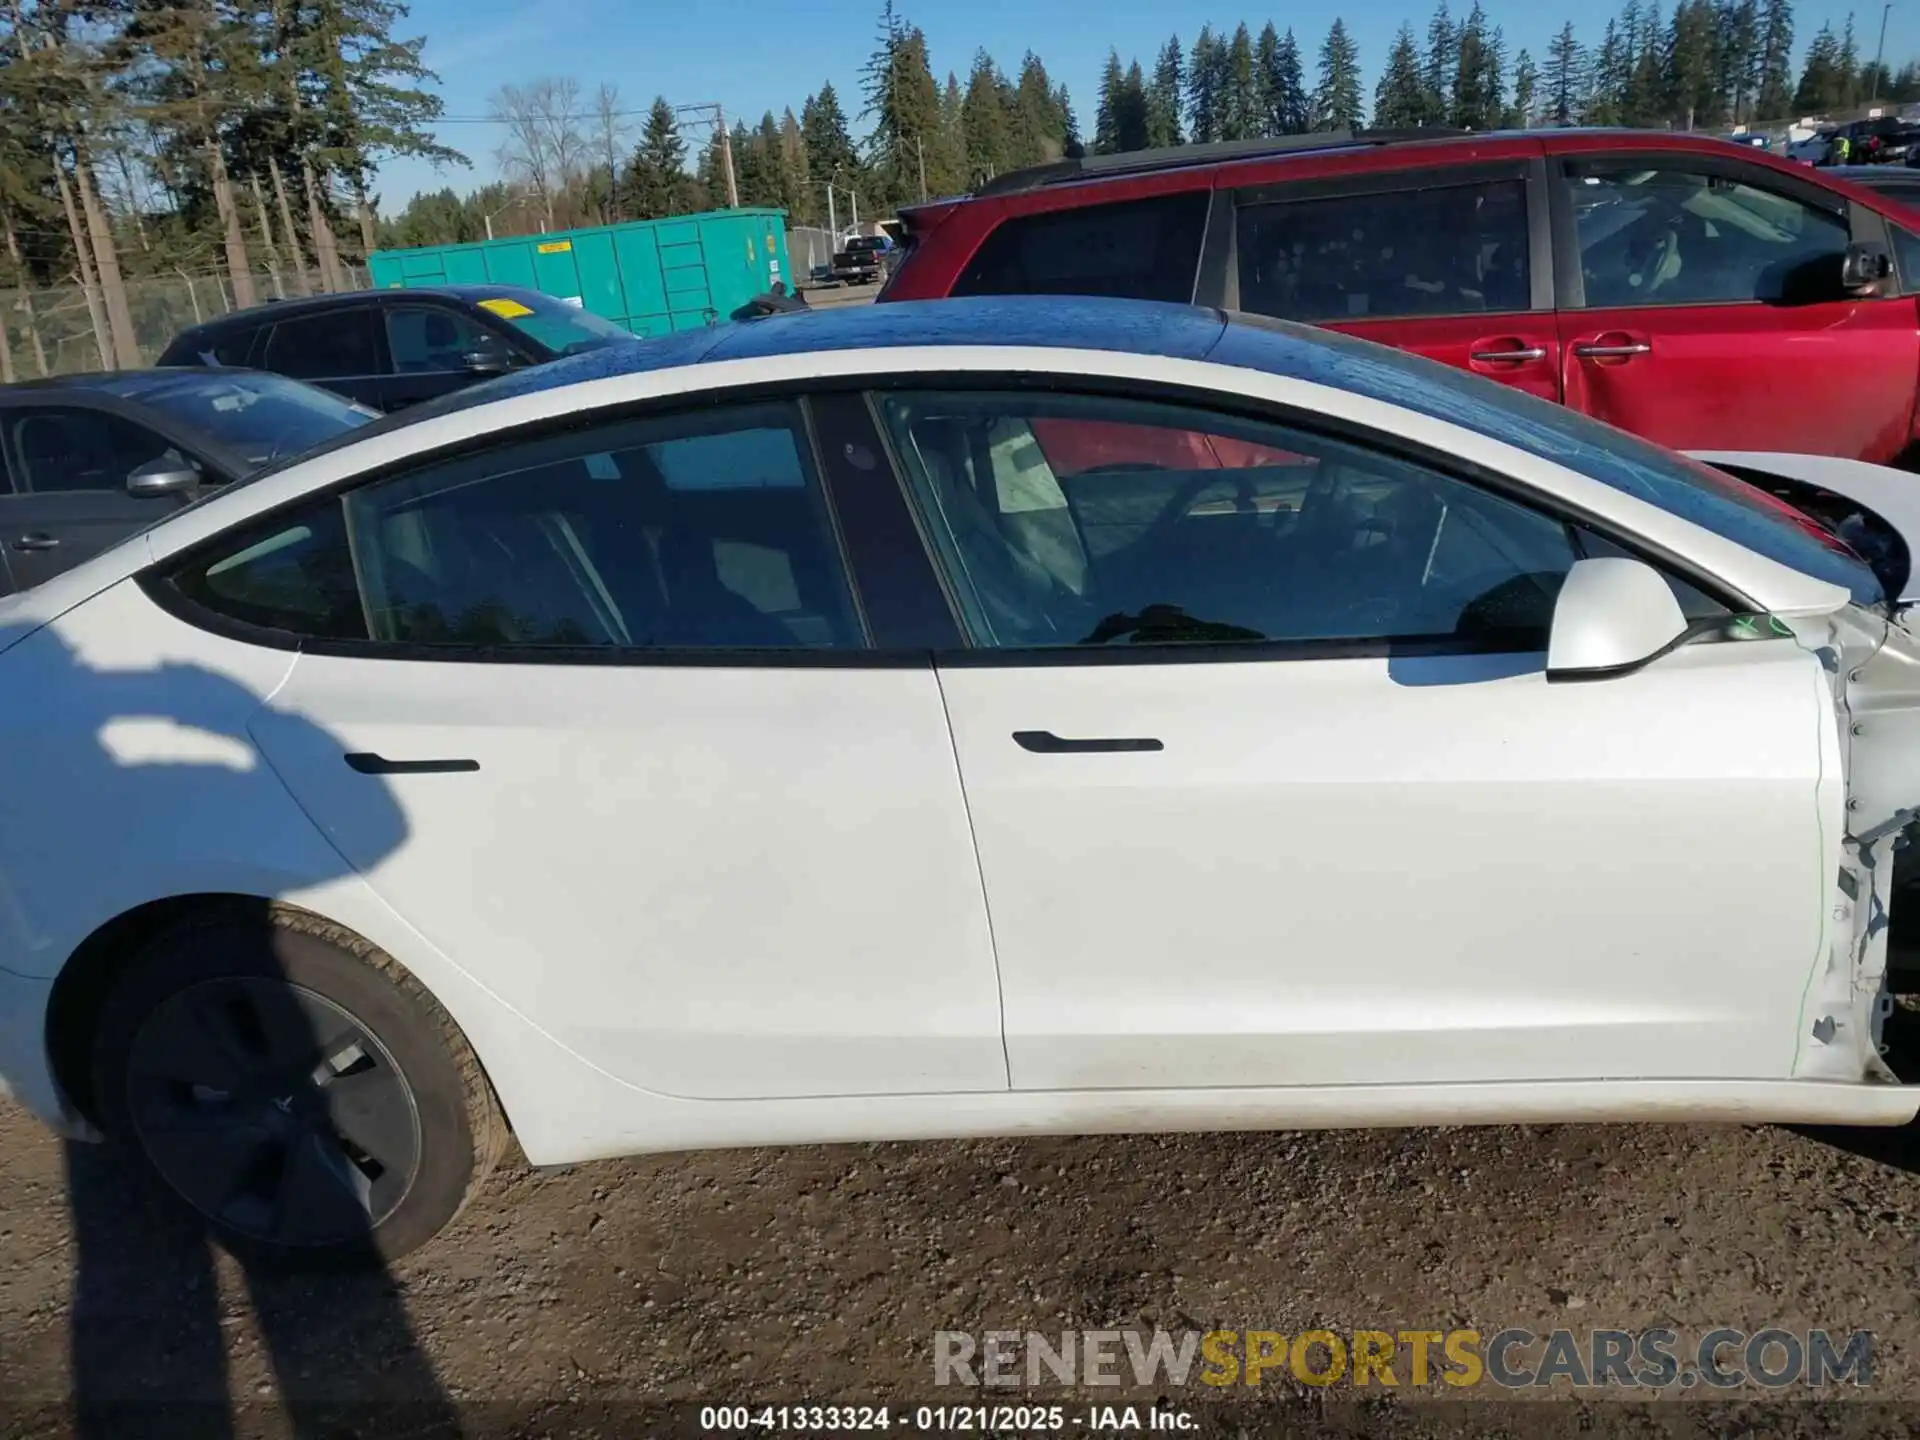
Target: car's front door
<point>1701,307</point>
<point>70,466</point>
<point>1449,264</point>
<point>664,795</point>
<point>434,350</point>
<point>1270,788</point>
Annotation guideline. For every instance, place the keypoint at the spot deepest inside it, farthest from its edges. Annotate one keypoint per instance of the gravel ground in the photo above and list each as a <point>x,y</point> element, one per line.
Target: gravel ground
<point>821,1274</point>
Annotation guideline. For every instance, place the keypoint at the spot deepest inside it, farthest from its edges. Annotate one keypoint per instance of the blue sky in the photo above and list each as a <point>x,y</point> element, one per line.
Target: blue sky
<point>756,55</point>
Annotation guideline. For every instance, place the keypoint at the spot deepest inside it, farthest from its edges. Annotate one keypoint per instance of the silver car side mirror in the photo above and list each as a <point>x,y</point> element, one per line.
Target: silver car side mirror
<point>1613,615</point>
<point>164,475</point>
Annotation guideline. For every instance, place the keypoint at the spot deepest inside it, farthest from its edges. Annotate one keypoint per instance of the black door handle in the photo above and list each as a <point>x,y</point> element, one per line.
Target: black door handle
<point>1045,742</point>
<point>37,540</point>
<point>367,763</point>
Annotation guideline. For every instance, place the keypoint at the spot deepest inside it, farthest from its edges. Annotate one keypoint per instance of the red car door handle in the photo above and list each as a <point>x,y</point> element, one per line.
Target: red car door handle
<point>1618,351</point>
<point>1520,353</point>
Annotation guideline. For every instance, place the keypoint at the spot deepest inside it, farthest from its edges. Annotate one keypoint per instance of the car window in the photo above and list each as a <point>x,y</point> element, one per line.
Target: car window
<point>71,449</point>
<point>1137,249</point>
<point>334,345</point>
<point>1260,532</point>
<point>1439,250</point>
<point>296,575</point>
<point>257,417</point>
<point>706,532</point>
<point>1906,256</point>
<point>1673,237</point>
<point>425,339</point>
<point>563,328</point>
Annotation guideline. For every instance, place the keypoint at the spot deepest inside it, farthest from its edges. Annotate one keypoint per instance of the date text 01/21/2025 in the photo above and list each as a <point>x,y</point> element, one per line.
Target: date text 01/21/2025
<point>943,1419</point>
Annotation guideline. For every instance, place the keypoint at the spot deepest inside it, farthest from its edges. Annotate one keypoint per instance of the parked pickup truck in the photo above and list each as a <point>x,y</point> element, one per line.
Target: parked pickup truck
<point>863,261</point>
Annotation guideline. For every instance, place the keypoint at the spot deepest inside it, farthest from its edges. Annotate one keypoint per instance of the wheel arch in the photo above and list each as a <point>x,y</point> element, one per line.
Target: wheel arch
<point>80,990</point>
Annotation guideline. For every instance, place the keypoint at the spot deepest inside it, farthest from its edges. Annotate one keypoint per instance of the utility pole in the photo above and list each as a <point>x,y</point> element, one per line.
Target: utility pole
<point>1880,53</point>
<point>710,113</point>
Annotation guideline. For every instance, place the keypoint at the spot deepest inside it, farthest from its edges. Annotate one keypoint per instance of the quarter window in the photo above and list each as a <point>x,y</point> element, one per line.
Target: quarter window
<point>1649,236</point>
<point>1443,250</point>
<point>1086,521</point>
<point>1134,249</point>
<point>702,532</point>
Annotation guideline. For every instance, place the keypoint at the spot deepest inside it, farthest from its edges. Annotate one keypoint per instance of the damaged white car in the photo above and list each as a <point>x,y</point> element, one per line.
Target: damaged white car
<point>969,718</point>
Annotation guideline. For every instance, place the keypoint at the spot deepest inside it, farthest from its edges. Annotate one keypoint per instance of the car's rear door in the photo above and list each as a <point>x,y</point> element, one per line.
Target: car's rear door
<point>665,793</point>
<point>339,348</point>
<point>1450,261</point>
<point>70,463</point>
<point>1701,307</point>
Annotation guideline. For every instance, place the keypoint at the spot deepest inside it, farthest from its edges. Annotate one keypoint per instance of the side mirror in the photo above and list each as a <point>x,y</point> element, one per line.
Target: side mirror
<point>1865,264</point>
<point>1612,616</point>
<point>163,475</point>
<point>485,362</point>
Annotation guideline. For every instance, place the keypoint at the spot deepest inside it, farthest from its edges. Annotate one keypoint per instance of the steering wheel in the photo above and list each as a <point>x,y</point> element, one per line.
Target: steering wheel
<point>1176,508</point>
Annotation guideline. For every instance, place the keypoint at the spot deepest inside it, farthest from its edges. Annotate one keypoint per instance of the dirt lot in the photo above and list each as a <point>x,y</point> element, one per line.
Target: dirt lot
<point>821,1274</point>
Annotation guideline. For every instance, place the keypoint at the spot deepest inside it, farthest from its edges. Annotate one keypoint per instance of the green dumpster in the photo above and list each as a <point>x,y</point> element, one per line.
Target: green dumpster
<point>651,276</point>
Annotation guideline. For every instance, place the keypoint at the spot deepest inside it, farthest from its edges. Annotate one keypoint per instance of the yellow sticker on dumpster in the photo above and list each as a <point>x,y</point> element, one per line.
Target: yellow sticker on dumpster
<point>554,247</point>
<point>506,309</point>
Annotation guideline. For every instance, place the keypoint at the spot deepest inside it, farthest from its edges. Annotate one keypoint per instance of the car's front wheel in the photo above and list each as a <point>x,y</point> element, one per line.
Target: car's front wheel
<point>295,1087</point>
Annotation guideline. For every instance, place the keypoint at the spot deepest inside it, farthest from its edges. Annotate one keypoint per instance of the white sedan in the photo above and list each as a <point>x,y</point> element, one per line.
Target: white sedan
<point>970,718</point>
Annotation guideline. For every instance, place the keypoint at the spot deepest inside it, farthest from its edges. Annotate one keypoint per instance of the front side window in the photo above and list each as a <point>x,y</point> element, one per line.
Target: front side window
<point>1438,250</point>
<point>1653,236</point>
<point>1089,521</point>
<point>67,449</point>
<point>702,532</point>
<point>429,339</point>
<point>1133,249</point>
<point>334,345</point>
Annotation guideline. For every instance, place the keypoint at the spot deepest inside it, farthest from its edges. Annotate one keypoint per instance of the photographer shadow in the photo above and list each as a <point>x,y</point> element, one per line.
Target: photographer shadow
<point>154,1348</point>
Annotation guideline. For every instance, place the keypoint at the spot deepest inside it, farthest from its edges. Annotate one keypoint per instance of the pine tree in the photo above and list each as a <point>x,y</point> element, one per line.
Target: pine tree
<point>1645,103</point>
<point>1206,87</point>
<point>1565,77</point>
<point>1038,131</point>
<point>1738,25</point>
<point>1266,78</point>
<point>1847,63</point>
<point>1287,90</point>
<point>1443,57</point>
<point>984,122</point>
<point>1166,94</point>
<point>1472,108</point>
<point>1775,97</point>
<point>1070,143</point>
<point>1336,102</point>
<point>655,181</point>
<point>830,152</point>
<point>1526,87</point>
<point>1820,81</point>
<point>1400,99</point>
<point>1106,107</point>
<point>904,103</point>
<point>1240,100</point>
<point>1691,78</point>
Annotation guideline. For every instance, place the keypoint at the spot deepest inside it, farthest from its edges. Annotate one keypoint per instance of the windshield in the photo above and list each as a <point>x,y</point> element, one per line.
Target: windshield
<point>564,329</point>
<point>1709,498</point>
<point>257,417</point>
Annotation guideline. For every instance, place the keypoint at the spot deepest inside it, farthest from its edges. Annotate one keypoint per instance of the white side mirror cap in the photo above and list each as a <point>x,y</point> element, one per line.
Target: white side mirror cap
<point>1613,615</point>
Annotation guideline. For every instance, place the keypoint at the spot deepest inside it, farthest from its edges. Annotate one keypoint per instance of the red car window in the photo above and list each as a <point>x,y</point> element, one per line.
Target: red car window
<point>1074,446</point>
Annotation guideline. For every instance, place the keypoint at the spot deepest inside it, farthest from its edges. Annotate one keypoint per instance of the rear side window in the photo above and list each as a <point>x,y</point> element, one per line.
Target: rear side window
<point>330,346</point>
<point>707,531</point>
<point>1134,249</point>
<point>1442,250</point>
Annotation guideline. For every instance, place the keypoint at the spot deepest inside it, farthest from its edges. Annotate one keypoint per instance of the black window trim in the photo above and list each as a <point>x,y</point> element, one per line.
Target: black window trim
<point>1311,423</point>
<point>838,488</point>
<point>1862,223</point>
<point>849,495</point>
<point>1531,171</point>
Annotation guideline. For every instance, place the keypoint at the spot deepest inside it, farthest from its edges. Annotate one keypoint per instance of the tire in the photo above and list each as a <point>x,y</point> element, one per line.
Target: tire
<point>294,1087</point>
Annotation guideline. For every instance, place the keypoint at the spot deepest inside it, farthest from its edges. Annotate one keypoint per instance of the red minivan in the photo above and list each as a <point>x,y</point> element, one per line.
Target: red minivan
<point>1702,294</point>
